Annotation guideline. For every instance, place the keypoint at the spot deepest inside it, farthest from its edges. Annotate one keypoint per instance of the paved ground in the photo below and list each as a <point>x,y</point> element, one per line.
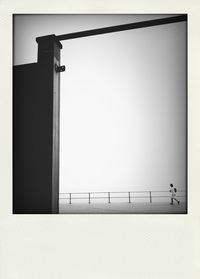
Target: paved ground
<point>124,208</point>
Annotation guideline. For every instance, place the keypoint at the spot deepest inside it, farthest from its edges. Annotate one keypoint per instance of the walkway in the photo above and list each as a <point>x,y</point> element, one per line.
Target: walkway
<point>124,208</point>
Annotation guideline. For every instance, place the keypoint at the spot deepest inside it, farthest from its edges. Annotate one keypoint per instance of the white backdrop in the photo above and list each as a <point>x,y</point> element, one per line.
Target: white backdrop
<point>123,110</point>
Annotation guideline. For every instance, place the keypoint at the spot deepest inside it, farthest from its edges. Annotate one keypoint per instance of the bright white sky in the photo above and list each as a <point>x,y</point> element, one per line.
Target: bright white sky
<point>123,101</point>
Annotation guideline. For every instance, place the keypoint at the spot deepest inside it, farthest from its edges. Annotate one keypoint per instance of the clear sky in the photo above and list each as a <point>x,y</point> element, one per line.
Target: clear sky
<point>123,101</point>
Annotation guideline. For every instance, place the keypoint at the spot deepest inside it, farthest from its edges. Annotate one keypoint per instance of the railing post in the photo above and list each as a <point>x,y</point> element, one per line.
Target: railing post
<point>150,197</point>
<point>129,197</point>
<point>70,198</point>
<point>108,197</point>
<point>89,198</point>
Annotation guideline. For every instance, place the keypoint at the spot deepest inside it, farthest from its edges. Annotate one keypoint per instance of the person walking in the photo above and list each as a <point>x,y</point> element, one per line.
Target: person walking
<point>173,194</point>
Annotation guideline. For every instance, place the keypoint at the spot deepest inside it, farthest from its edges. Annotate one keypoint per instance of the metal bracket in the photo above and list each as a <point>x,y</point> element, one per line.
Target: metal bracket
<point>59,68</point>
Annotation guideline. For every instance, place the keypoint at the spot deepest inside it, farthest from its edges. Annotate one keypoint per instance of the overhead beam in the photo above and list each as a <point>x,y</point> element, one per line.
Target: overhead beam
<point>123,27</point>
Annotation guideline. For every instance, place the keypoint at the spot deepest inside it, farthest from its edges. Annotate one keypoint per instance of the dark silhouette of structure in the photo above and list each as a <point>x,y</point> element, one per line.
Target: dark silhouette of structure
<point>36,131</point>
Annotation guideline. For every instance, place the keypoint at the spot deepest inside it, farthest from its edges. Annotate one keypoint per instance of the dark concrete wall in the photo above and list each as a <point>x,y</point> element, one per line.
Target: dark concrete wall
<point>32,140</point>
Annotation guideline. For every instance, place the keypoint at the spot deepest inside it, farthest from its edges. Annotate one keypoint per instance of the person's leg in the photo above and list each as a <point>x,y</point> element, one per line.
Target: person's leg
<point>171,201</point>
<point>177,200</point>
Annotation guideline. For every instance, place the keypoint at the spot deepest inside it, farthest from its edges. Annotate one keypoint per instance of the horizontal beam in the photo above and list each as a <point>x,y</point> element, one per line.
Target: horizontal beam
<point>122,27</point>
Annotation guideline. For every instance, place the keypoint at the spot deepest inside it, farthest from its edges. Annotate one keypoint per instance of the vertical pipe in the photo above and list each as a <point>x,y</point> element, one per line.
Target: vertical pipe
<point>70,198</point>
<point>89,198</point>
<point>108,197</point>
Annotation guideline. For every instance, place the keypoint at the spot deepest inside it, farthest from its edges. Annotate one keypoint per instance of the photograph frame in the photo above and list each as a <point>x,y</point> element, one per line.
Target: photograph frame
<point>40,247</point>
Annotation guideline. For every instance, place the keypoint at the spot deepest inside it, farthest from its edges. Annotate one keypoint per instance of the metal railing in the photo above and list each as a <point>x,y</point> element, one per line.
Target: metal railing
<point>128,196</point>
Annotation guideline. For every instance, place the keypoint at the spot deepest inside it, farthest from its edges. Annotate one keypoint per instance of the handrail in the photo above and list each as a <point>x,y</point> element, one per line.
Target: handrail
<point>116,192</point>
<point>110,197</point>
